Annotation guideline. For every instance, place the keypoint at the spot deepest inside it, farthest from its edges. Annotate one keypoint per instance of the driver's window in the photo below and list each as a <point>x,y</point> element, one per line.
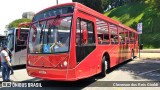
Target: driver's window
<point>85,32</point>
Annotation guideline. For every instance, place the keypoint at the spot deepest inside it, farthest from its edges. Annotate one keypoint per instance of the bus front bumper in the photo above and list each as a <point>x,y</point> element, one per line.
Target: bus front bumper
<point>51,73</point>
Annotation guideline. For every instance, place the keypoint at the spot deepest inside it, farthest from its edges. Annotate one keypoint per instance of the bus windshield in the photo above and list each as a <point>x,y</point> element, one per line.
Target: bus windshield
<point>2,42</point>
<point>10,41</point>
<point>50,36</point>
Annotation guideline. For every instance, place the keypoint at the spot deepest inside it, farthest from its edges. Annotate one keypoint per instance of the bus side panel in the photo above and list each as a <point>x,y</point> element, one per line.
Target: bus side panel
<point>90,66</point>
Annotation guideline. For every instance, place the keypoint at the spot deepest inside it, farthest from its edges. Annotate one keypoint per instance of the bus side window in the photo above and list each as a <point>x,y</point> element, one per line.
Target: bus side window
<point>121,36</point>
<point>99,40</point>
<point>102,28</point>
<point>112,41</point>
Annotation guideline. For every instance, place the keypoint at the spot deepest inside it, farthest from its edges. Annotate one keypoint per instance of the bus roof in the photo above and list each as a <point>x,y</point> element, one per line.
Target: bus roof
<point>91,12</point>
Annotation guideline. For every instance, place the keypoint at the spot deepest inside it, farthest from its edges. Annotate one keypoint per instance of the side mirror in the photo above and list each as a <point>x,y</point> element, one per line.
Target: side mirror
<point>141,47</point>
<point>85,36</point>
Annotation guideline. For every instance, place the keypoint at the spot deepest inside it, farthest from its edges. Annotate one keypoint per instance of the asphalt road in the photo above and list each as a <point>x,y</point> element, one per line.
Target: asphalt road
<point>135,71</point>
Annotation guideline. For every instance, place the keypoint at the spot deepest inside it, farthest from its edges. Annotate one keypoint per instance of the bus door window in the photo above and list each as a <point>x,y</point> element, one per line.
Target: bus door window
<point>82,35</point>
<point>102,28</point>
<point>78,39</point>
<point>85,38</point>
<point>84,32</point>
<point>21,43</point>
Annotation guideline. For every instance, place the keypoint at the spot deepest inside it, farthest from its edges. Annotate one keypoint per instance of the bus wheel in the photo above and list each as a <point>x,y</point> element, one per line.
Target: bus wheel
<point>132,55</point>
<point>104,67</point>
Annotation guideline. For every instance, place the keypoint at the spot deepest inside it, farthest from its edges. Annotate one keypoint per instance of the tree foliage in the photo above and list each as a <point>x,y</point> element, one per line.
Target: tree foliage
<point>157,4</point>
<point>94,4</point>
<point>15,23</point>
<point>105,4</point>
<point>102,5</point>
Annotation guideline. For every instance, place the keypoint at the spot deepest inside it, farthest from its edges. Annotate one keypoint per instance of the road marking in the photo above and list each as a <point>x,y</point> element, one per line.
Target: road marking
<point>152,61</point>
<point>149,72</point>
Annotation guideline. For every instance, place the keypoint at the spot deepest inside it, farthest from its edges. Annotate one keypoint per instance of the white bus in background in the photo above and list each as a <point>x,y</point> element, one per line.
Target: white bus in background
<point>18,46</point>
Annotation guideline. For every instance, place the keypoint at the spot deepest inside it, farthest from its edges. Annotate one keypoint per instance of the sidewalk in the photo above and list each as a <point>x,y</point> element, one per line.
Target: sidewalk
<point>19,75</point>
<point>153,54</point>
<point>150,51</point>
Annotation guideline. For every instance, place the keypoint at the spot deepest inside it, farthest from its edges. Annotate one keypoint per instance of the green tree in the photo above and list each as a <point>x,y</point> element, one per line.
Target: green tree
<point>94,4</point>
<point>15,23</point>
<point>131,1</point>
<point>157,4</point>
<point>105,4</point>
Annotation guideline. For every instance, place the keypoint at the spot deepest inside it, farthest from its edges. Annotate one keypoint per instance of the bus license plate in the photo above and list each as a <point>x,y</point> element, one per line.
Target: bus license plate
<point>42,72</point>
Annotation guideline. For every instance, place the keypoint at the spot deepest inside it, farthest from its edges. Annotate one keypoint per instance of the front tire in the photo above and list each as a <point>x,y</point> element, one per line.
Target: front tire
<point>104,67</point>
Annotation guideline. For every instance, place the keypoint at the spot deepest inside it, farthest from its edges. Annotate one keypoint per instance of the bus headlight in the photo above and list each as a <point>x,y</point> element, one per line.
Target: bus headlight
<point>65,63</point>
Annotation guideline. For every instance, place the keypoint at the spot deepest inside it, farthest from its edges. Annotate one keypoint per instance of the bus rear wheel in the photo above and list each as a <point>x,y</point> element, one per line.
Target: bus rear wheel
<point>104,67</point>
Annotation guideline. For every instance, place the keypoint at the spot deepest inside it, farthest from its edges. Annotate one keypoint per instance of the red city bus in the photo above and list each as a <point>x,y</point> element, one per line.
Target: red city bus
<point>70,41</point>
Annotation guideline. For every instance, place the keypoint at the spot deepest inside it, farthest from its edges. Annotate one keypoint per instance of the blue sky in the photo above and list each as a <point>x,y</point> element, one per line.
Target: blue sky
<point>13,9</point>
